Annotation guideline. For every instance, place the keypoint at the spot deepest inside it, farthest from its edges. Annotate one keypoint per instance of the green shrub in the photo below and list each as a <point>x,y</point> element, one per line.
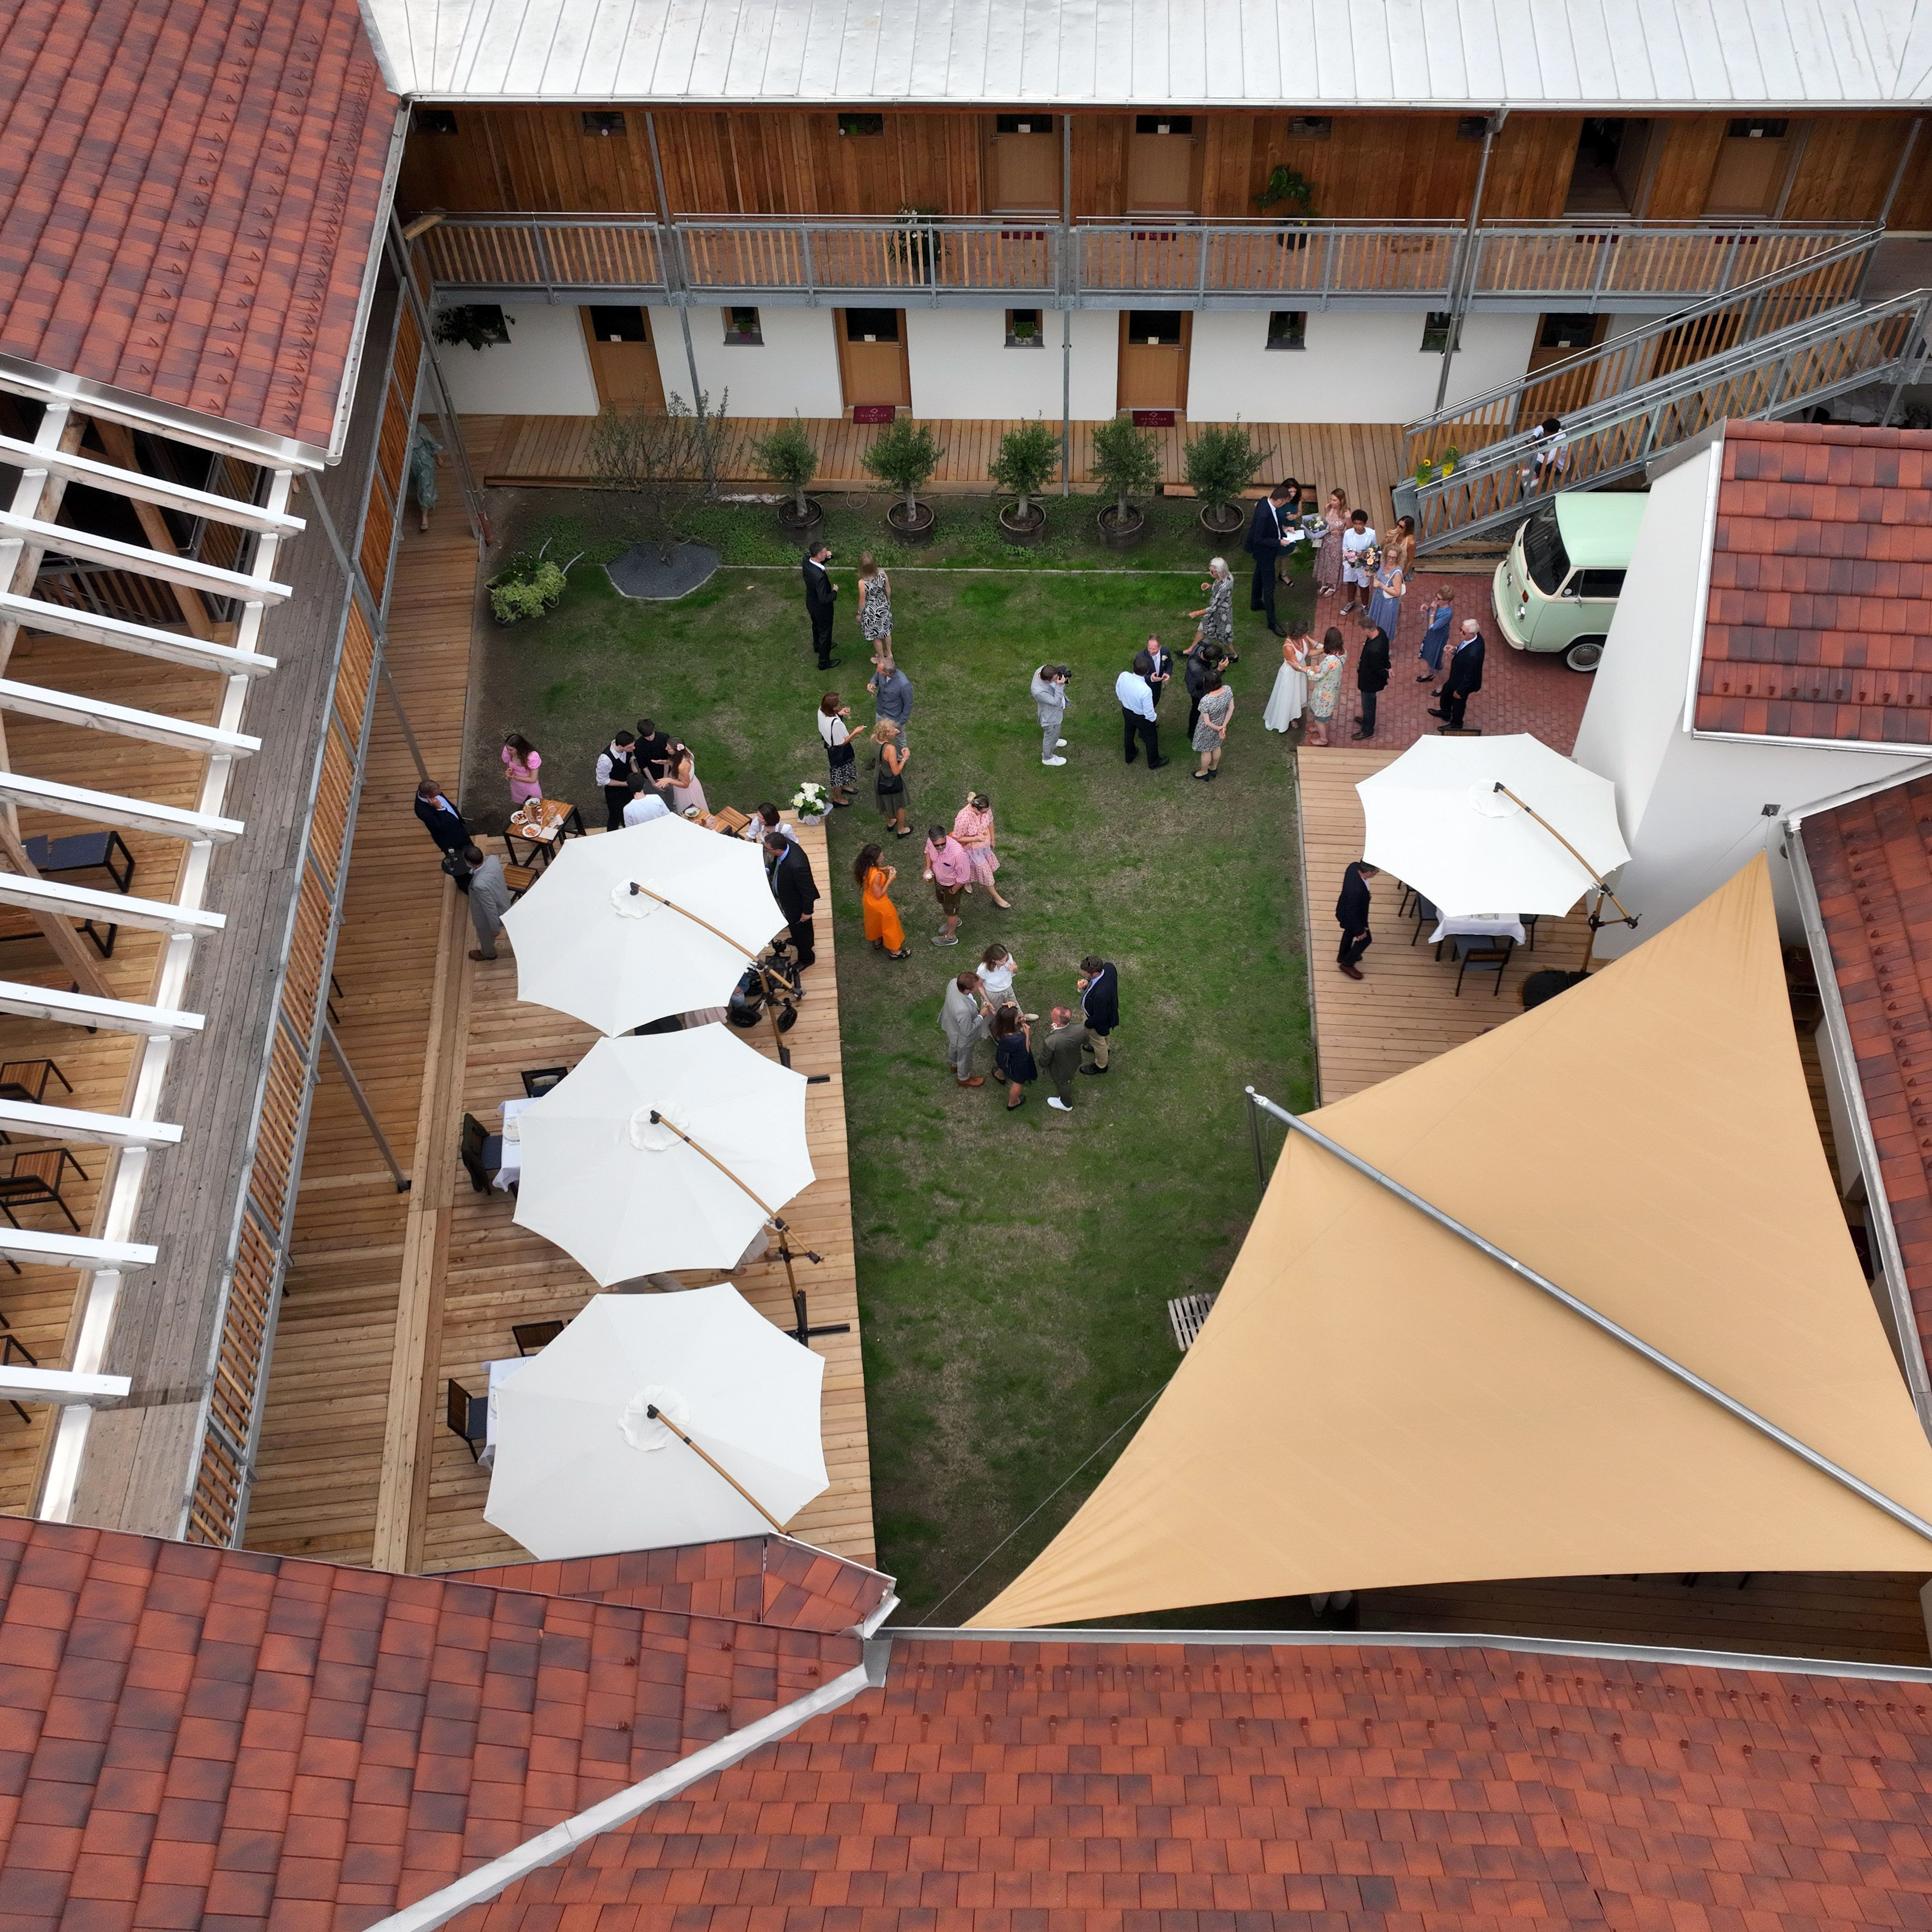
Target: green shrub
<point>525,586</point>
<point>1025,461</point>
<point>1127,461</point>
<point>791,458</point>
<point>905,455</point>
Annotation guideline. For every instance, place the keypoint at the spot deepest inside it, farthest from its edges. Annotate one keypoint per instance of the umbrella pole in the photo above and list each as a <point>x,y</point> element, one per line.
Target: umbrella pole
<point>645,892</point>
<point>657,1414</point>
<point>1602,891</point>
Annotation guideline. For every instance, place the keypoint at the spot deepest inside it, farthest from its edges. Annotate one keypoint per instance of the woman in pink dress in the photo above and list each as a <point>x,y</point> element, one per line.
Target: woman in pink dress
<point>973,829</point>
<point>1328,558</point>
<point>520,761</point>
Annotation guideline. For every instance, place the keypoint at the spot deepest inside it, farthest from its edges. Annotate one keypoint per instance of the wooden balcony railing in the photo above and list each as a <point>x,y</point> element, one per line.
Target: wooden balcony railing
<point>1628,266</point>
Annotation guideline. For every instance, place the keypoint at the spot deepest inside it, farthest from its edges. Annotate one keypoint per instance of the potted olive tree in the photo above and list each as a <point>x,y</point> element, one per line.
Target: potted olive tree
<point>790,458</point>
<point>1220,463</point>
<point>1023,466</point>
<point>905,455</point>
<point>1286,188</point>
<point>1127,462</point>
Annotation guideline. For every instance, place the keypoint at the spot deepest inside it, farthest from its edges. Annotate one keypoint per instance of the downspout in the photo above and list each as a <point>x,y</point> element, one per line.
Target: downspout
<point>1909,1350</point>
<point>1065,305</point>
<point>680,297</point>
<point>1898,172</point>
<point>1465,261</point>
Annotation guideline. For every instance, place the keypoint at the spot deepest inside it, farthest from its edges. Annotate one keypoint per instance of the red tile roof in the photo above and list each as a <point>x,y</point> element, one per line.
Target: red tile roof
<point>193,1737</point>
<point>1152,1787</point>
<point>755,1579</point>
<point>1871,861</point>
<point>1819,623</point>
<point>188,192</point>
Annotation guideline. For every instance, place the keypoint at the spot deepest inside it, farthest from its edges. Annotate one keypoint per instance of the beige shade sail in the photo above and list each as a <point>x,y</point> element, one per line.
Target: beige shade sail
<point>1374,1401</point>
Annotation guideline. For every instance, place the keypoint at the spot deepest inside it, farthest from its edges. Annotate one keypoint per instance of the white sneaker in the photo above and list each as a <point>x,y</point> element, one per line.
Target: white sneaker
<point>1053,761</point>
<point>1058,1104</point>
<point>1060,744</point>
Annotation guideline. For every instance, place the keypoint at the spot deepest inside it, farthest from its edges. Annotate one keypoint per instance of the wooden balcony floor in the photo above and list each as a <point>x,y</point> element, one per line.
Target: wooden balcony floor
<point>1363,458</point>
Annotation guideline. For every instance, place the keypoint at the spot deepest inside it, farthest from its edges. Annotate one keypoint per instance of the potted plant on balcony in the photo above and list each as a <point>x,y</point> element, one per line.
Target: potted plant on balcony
<point>1023,466</point>
<point>1285,187</point>
<point>918,246</point>
<point>1127,461</point>
<point>905,455</point>
<point>790,458</point>
<point>1220,463</point>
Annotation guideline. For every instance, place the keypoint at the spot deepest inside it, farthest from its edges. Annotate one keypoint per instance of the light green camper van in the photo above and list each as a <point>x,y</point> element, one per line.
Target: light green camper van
<point>1557,589</point>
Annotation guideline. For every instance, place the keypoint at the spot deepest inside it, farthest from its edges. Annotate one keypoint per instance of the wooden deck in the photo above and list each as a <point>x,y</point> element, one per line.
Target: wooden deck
<point>355,1465</point>
<point>1405,1010</point>
<point>1363,458</point>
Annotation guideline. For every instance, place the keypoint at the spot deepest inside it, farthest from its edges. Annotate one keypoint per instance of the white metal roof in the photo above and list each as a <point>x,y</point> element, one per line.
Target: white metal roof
<point>1615,56</point>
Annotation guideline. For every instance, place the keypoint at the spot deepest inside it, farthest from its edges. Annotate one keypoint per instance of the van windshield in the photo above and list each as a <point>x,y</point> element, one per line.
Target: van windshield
<point>1543,552</point>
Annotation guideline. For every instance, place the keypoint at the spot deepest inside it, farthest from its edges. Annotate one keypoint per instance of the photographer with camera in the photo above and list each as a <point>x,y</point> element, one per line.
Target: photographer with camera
<point>1049,698</point>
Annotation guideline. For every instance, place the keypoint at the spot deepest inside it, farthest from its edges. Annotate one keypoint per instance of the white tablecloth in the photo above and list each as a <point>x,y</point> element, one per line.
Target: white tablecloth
<point>497,1370</point>
<point>1476,925</point>
<point>512,1168</point>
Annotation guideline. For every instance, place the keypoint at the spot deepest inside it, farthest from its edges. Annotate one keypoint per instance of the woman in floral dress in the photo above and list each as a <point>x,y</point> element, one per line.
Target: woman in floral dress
<point>1325,686</point>
<point>875,605</point>
<point>1328,558</point>
<point>1217,614</point>
<point>974,830</point>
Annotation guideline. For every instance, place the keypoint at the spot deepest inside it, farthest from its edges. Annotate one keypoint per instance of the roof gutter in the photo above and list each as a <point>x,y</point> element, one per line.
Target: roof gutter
<point>1911,1352</point>
<point>1701,604</point>
<point>372,270</point>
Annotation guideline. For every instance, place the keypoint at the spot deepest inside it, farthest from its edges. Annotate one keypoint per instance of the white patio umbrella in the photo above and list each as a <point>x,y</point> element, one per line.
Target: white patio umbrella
<point>590,946</point>
<point>627,1196</point>
<point>582,1470</point>
<point>1438,821</point>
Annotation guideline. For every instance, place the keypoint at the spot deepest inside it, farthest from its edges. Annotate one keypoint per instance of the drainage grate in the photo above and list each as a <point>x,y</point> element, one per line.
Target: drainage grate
<point>1187,1315</point>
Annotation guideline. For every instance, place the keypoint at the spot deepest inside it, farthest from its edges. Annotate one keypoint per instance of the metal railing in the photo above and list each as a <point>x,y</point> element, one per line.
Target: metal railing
<point>1797,368</point>
<point>1773,301</point>
<point>1179,262</point>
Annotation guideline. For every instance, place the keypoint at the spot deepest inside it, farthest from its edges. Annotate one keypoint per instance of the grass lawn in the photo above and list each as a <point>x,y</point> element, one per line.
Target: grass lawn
<point>1014,1270</point>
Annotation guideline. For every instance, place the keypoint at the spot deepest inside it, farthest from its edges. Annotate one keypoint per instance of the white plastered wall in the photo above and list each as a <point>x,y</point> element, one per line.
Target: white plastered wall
<point>544,370</point>
<point>961,366</point>
<point>1359,366</point>
<point>795,370</point>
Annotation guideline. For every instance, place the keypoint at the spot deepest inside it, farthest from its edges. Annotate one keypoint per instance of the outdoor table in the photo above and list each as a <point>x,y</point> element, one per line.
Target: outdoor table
<point>542,824</point>
<point>1480,925</point>
<point>486,1456</point>
<point>512,1171</point>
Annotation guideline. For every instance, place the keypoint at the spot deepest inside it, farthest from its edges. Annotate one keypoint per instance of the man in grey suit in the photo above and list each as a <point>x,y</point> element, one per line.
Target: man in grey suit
<point>489,899</point>
<point>1049,698</point>
<point>1060,1058</point>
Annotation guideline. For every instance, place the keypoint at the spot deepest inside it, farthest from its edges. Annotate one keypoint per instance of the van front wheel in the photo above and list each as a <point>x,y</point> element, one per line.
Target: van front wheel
<point>1586,654</point>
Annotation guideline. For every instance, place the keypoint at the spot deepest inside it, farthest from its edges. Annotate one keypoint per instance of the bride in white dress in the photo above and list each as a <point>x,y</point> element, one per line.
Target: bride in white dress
<point>1289,697</point>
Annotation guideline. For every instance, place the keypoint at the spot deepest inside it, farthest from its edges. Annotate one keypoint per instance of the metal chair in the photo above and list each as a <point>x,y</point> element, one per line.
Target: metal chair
<point>27,1079</point>
<point>34,1178</point>
<point>1491,959</point>
<point>1425,914</point>
<point>13,1349</point>
<point>533,1337</point>
<point>1527,922</point>
<point>468,1416</point>
<point>537,1081</point>
<point>481,1153</point>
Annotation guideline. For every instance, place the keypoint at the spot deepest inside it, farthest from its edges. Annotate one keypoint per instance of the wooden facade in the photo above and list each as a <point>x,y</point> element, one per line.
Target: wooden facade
<point>790,162</point>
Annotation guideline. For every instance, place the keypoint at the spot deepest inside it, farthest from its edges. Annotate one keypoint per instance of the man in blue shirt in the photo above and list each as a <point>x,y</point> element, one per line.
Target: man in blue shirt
<point>1138,717</point>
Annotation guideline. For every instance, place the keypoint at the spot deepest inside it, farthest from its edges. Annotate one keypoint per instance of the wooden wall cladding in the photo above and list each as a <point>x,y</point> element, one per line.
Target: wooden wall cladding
<point>1369,167</point>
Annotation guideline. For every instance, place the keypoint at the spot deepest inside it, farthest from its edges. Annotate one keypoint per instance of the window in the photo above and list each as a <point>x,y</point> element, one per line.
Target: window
<point>1599,586</point>
<point>861,124</point>
<point>604,124</point>
<point>1024,330</point>
<point>1023,123</point>
<point>1171,124</point>
<point>1756,130</point>
<point>433,121</point>
<point>1435,333</point>
<point>871,325</point>
<point>1471,127</point>
<point>1158,328</point>
<point>1287,329</point>
<point>741,327</point>
<point>619,325</point>
<point>1566,331</point>
<point>1310,127</point>
<point>1543,552</point>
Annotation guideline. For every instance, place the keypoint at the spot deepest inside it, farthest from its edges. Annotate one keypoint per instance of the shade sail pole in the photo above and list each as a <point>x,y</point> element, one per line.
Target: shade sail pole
<point>1616,1330</point>
<point>657,1414</point>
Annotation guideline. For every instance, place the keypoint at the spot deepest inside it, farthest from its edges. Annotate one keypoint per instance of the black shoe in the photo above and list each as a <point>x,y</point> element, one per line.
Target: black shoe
<point>1278,631</point>
<point>1130,758</point>
<point>1093,1070</point>
<point>1159,764</point>
<point>1434,713</point>
<point>1359,733</point>
<point>1425,677</point>
<point>829,664</point>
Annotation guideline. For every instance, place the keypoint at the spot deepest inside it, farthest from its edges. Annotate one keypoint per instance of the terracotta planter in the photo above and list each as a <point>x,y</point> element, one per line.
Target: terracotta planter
<point>792,525</point>
<point>1122,533</point>
<point>1015,531</point>
<point>912,525</point>
<point>1222,520</point>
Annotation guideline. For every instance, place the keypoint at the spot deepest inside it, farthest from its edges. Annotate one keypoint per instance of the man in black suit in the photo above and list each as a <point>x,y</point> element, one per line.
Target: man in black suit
<point>1351,915</point>
<point>440,819</point>
<point>1371,677</point>
<point>796,891</point>
<point>1264,543</point>
<point>1100,1003</point>
<point>1155,664</point>
<point>1464,679</point>
<point>821,594</point>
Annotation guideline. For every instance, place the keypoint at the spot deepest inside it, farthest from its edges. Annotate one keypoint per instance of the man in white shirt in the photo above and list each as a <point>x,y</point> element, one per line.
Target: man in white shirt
<point>1138,717</point>
<point>1357,539</point>
<point>646,805</point>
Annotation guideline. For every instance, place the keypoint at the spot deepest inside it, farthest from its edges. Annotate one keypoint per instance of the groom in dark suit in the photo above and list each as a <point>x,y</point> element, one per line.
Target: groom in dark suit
<point>821,594</point>
<point>1264,545</point>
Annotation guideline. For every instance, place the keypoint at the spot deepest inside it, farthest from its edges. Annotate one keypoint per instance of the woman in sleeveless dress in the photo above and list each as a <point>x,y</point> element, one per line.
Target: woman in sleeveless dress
<point>875,605</point>
<point>1328,558</point>
<point>875,880</point>
<point>1289,697</point>
<point>1391,586</point>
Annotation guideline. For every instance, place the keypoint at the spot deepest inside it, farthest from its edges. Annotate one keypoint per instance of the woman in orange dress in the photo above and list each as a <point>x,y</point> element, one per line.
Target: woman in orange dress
<point>875,880</point>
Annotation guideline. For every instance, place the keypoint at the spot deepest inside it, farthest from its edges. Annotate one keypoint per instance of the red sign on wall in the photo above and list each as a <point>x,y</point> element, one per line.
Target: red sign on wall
<point>873,413</point>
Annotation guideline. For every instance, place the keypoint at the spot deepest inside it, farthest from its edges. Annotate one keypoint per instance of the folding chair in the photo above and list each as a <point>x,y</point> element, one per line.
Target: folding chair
<point>482,1153</point>
<point>1486,959</point>
<point>532,1337</point>
<point>34,1178</point>
<point>469,1417</point>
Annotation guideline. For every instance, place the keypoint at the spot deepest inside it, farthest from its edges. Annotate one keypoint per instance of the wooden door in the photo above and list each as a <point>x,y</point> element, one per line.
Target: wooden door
<point>872,358</point>
<point>1154,359</point>
<point>623,358</point>
<point>1754,159</point>
<point>1160,165</point>
<point>1026,167</point>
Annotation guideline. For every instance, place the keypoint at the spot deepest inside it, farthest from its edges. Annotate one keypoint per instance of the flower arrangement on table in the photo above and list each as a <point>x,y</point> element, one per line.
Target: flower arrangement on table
<point>810,801</point>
